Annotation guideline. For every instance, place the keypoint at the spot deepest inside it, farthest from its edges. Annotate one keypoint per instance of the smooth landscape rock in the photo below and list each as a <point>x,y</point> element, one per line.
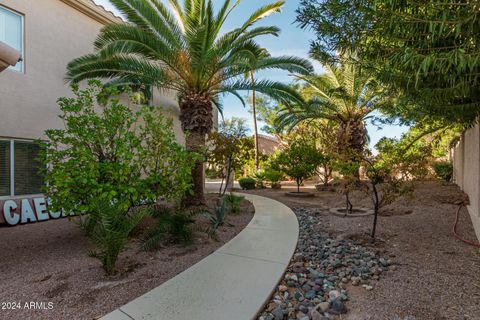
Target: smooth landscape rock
<point>322,268</point>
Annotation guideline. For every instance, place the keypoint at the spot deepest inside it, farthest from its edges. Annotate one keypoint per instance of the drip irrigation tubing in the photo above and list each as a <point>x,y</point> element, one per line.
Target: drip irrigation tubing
<point>454,230</point>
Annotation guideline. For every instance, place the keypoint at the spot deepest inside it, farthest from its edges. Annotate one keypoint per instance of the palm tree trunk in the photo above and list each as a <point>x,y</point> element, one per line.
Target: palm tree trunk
<point>196,116</point>
<point>255,130</point>
<point>195,142</point>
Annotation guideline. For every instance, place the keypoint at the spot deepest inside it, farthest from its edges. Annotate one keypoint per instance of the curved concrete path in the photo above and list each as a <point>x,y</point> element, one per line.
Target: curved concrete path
<point>232,283</point>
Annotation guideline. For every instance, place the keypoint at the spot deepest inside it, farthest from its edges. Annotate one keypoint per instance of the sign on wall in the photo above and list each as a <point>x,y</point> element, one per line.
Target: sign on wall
<point>26,210</point>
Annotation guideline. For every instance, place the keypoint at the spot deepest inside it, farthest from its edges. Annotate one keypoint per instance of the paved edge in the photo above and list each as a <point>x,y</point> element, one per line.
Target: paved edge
<point>234,282</point>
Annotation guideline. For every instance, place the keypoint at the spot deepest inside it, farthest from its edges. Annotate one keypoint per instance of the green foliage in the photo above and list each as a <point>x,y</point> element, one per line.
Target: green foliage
<point>175,227</point>
<point>109,226</point>
<point>259,176</point>
<point>274,177</point>
<point>230,147</point>
<point>247,183</point>
<point>411,156</point>
<point>344,96</point>
<point>217,218</point>
<point>406,164</point>
<point>267,111</point>
<point>112,153</point>
<point>188,50</point>
<point>299,161</point>
<point>234,127</point>
<point>213,173</point>
<point>234,202</point>
<point>443,170</point>
<point>426,50</point>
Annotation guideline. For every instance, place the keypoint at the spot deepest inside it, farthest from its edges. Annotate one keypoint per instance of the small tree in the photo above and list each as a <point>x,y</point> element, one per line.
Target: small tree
<point>348,166</point>
<point>229,149</point>
<point>299,161</point>
<point>108,153</point>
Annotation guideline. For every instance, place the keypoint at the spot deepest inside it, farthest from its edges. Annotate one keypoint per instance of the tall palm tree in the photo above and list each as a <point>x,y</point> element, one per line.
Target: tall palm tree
<point>181,47</point>
<point>253,61</point>
<point>341,94</point>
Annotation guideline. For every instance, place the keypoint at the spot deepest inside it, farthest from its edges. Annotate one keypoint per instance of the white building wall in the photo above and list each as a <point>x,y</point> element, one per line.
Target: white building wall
<point>466,164</point>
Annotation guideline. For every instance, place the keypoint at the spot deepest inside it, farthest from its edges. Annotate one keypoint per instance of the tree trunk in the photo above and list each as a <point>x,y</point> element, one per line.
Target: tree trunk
<point>196,116</point>
<point>195,142</point>
<point>255,130</point>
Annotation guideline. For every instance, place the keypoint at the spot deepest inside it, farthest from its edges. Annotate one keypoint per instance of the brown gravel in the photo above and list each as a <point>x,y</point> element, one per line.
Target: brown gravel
<point>47,262</point>
<point>437,276</point>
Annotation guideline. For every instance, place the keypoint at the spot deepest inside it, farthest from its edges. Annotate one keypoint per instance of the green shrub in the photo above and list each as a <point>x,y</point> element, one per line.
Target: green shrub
<point>112,153</point>
<point>234,202</point>
<point>299,161</point>
<point>109,226</point>
<point>443,170</point>
<point>273,177</point>
<point>260,178</point>
<point>247,183</point>
<point>175,227</point>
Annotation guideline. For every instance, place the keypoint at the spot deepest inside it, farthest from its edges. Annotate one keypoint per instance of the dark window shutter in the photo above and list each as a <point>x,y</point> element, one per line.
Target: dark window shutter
<point>27,178</point>
<point>4,168</point>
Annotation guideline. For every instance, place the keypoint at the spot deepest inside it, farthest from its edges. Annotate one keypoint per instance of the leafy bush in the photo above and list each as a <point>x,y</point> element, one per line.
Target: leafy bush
<point>234,202</point>
<point>112,153</point>
<point>299,161</point>
<point>273,176</point>
<point>247,183</point>
<point>443,170</point>
<point>175,227</point>
<point>109,226</point>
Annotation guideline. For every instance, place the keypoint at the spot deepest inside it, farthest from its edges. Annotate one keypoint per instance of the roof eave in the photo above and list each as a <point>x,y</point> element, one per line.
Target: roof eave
<point>96,12</point>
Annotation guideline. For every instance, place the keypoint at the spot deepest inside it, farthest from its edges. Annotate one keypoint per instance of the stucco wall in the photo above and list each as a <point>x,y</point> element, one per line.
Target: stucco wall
<point>467,171</point>
<point>55,33</point>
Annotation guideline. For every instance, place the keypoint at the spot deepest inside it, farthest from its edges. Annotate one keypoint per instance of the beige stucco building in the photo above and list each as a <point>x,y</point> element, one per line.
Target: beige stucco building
<point>48,34</point>
<point>466,170</point>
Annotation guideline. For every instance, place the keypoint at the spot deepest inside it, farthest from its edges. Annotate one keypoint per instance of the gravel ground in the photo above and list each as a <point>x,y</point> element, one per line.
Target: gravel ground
<point>48,263</point>
<point>437,277</point>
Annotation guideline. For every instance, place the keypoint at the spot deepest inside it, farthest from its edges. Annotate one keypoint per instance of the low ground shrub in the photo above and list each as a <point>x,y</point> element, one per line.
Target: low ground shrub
<point>274,177</point>
<point>234,202</point>
<point>247,183</point>
<point>217,217</point>
<point>443,170</point>
<point>109,226</point>
<point>170,226</point>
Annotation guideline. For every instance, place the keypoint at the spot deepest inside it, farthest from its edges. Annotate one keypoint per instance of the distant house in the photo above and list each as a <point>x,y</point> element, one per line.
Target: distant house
<point>268,144</point>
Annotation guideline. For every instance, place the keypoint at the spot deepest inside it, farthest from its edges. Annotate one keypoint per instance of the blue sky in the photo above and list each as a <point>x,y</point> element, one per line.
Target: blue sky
<point>292,41</point>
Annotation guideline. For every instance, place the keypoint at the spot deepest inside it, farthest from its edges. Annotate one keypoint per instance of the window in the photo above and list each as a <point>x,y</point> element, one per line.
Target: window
<point>4,167</point>
<point>19,169</point>
<point>11,32</point>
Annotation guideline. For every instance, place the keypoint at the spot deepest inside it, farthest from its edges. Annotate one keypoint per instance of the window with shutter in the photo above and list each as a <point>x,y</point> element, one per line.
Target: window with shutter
<point>27,176</point>
<point>4,168</point>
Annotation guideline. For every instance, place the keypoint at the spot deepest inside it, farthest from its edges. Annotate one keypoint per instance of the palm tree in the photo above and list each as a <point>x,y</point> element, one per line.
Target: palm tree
<point>181,48</point>
<point>343,95</point>
<point>251,74</point>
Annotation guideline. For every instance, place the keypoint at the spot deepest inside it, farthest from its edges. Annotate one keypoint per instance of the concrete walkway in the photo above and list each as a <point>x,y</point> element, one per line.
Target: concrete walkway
<point>232,283</point>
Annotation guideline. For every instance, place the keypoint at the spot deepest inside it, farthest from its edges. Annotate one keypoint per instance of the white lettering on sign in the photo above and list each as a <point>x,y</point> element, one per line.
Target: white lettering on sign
<point>27,210</point>
<point>41,209</point>
<point>12,218</point>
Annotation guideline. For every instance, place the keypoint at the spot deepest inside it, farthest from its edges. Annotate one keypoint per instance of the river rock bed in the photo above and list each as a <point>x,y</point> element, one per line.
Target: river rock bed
<point>314,286</point>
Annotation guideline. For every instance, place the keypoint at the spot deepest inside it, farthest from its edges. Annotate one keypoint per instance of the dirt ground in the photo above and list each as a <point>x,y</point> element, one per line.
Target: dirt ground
<point>48,263</point>
<point>437,276</point>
